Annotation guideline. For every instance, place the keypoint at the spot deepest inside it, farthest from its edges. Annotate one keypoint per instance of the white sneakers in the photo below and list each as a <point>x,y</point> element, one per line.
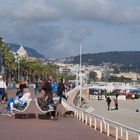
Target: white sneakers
<point>8,114</point>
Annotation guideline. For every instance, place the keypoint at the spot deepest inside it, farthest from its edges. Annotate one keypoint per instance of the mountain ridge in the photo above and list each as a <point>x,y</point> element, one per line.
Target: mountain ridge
<point>121,57</point>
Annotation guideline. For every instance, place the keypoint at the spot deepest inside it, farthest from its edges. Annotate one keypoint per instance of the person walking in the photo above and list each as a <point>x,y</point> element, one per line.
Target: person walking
<point>61,90</point>
<point>3,88</point>
<point>108,100</point>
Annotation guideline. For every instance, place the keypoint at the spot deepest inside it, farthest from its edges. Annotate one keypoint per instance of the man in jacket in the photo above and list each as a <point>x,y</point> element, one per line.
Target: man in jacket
<point>61,90</point>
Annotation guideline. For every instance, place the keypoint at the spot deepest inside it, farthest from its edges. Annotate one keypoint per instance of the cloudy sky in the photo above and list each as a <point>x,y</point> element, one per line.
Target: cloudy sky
<point>56,28</point>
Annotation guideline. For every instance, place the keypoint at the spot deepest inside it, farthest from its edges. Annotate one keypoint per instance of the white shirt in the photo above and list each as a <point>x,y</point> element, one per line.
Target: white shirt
<point>2,84</point>
<point>25,97</point>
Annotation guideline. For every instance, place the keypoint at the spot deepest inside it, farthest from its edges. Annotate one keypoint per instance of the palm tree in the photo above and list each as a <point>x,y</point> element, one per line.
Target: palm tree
<point>7,57</point>
<point>22,68</point>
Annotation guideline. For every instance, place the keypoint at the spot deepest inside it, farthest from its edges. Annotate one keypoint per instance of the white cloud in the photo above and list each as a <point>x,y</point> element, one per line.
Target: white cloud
<point>52,10</point>
<point>61,25</point>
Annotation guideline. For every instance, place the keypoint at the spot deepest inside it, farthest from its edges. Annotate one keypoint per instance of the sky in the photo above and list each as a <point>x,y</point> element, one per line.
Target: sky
<point>57,28</point>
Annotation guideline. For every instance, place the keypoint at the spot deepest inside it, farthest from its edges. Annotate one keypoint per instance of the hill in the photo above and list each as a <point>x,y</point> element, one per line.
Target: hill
<point>31,52</point>
<point>125,59</point>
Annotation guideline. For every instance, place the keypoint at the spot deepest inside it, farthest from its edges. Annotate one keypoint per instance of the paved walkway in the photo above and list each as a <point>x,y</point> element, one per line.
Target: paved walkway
<point>61,129</point>
<point>41,129</point>
<point>126,114</point>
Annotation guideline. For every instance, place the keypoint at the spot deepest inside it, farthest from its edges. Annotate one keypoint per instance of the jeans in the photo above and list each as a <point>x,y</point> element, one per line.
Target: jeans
<point>61,96</point>
<point>2,94</point>
<point>9,102</point>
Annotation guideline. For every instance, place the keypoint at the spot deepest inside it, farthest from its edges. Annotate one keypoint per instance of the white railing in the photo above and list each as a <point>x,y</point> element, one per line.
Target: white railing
<point>104,125</point>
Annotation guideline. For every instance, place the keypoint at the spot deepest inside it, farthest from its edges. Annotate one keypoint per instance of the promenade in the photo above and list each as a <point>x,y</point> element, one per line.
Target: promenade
<point>40,129</point>
<point>126,114</point>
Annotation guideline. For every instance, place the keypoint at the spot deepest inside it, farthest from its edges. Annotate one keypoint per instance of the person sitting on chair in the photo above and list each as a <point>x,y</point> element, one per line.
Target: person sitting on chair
<point>22,86</point>
<point>45,101</point>
<point>17,102</point>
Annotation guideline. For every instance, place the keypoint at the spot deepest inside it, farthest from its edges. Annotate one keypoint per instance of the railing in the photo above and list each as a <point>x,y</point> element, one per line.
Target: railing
<point>104,125</point>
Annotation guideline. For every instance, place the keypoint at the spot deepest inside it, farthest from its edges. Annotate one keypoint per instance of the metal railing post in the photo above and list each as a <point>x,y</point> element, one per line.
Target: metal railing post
<point>101,126</point>
<point>117,132</point>
<point>108,129</point>
<point>126,131</point>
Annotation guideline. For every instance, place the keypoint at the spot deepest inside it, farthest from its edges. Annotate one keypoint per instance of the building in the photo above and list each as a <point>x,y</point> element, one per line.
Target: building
<point>132,75</point>
<point>21,52</point>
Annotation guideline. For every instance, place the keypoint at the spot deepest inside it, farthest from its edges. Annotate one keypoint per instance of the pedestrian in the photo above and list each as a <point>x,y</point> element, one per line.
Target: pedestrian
<point>61,90</point>
<point>3,87</point>
<point>54,85</point>
<point>108,100</point>
<point>116,103</point>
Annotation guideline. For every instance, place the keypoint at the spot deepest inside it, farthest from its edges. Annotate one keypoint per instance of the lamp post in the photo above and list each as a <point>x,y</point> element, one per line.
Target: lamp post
<point>80,75</point>
<point>0,62</point>
<point>1,56</point>
<point>17,60</point>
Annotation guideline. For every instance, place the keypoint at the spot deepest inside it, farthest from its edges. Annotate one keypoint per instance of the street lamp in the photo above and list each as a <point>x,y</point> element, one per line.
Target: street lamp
<point>0,61</point>
<point>17,60</point>
<point>80,75</point>
<point>1,56</point>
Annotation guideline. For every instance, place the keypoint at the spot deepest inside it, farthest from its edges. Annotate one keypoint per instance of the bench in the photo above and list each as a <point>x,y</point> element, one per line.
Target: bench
<point>25,109</point>
<point>42,111</point>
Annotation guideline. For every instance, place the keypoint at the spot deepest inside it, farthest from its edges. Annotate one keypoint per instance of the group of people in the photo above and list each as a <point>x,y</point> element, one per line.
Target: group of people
<point>46,90</point>
<point>51,88</point>
<point>108,100</point>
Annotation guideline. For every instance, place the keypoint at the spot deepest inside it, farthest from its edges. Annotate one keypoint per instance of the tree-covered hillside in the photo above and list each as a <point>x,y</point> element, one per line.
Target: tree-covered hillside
<point>128,59</point>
